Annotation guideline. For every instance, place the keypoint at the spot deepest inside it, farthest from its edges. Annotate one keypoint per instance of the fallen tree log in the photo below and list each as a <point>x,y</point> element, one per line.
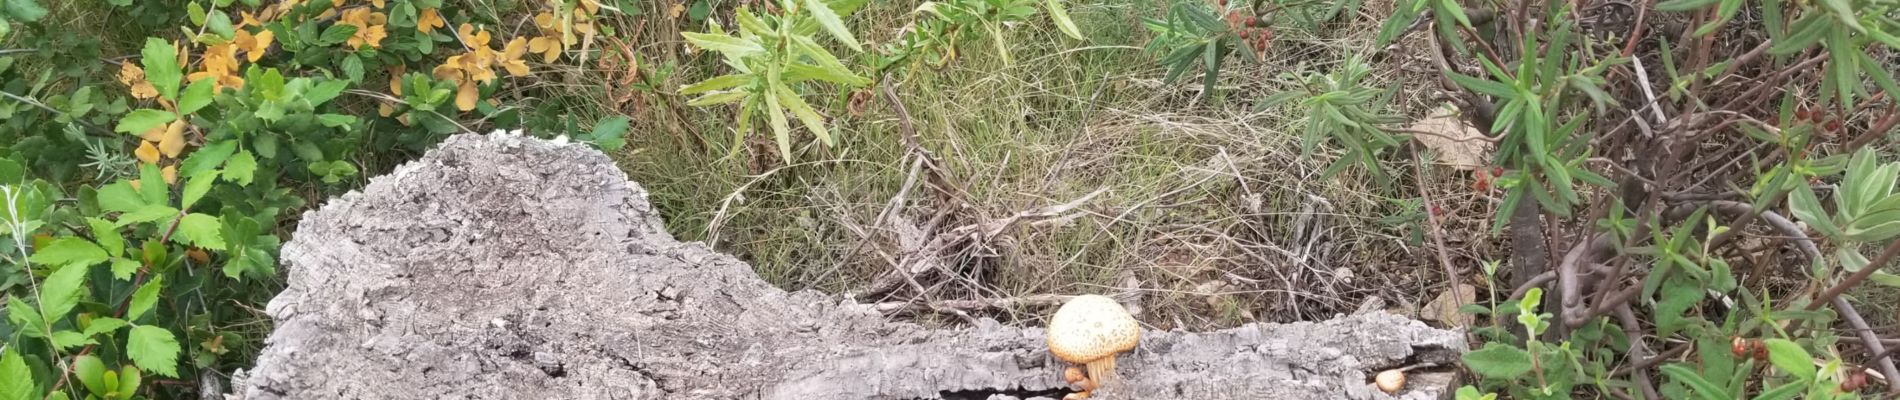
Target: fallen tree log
<point>507,267</point>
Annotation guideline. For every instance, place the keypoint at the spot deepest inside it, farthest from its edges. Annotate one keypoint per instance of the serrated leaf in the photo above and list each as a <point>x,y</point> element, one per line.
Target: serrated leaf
<point>206,159</point>
<point>142,120</point>
<point>200,230</point>
<point>337,33</point>
<point>16,381</point>
<point>834,25</point>
<point>67,340</point>
<point>241,168</point>
<point>123,268</point>
<point>153,349</point>
<point>104,325</point>
<point>721,82</point>
<point>107,235</point>
<point>119,197</point>
<point>145,298</point>
<point>147,214</point>
<point>724,44</point>
<point>195,189</point>
<point>160,60</point>
<point>25,320</point>
<point>805,114</point>
<point>61,291</point>
<point>69,250</point>
<point>1500,361</point>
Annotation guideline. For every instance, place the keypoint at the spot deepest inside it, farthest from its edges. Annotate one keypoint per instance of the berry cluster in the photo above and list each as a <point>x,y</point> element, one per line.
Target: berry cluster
<point>1249,28</point>
<point>1832,123</point>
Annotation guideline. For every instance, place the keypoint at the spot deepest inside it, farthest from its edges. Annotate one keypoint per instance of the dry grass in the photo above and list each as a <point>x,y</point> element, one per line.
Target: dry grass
<point>1211,215</point>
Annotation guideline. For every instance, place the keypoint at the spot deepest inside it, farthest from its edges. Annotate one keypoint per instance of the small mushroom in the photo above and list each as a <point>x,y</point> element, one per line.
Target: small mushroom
<point>1090,330</point>
<point>1390,380</point>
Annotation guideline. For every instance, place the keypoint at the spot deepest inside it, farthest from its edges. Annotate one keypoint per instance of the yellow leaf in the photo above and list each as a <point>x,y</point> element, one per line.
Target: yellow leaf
<point>465,96</point>
<point>378,3</point>
<point>548,47</point>
<point>135,185</point>
<point>248,19</point>
<point>384,109</point>
<point>449,70</point>
<point>591,6</point>
<point>171,174</point>
<point>511,57</point>
<point>155,134</point>
<point>254,45</point>
<point>174,140</point>
<point>144,90</point>
<point>395,79</point>
<point>147,152</point>
<point>130,74</point>
<point>675,11</point>
<point>428,20</point>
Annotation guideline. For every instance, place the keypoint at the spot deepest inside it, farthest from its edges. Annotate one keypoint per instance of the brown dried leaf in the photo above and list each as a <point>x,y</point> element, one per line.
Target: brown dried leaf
<point>1457,144</point>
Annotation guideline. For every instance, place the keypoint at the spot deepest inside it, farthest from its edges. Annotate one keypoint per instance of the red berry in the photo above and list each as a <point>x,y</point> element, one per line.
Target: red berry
<point>1253,21</point>
<point>1834,125</point>
<point>1739,346</point>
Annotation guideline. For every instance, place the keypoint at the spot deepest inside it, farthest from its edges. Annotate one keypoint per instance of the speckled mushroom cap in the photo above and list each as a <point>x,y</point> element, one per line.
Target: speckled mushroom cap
<point>1090,327</point>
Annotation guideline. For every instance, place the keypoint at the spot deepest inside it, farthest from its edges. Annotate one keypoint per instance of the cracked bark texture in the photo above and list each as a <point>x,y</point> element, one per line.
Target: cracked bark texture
<point>506,267</point>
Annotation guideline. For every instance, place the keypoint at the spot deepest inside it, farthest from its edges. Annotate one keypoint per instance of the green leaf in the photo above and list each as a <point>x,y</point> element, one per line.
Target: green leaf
<point>152,185</point>
<point>145,298</point>
<point>104,325</point>
<point>123,268</point>
<point>69,250</point>
<point>147,214</point>
<point>1457,12</point>
<point>119,197</point>
<point>1885,279</point>
<point>129,379</point>
<point>196,96</point>
<point>1783,392</point>
<point>25,320</point>
<point>337,33</point>
<point>805,114</point>
<point>1683,5</point>
<point>781,131</point>
<point>609,134</point>
<point>717,98</point>
<point>219,23</point>
<point>1791,358</point>
<point>23,10</point>
<point>92,373</point>
<point>832,24</point>
<point>721,82</point>
<point>206,159</point>
<point>66,340</point>
<point>1210,69</point>
<point>16,381</point>
<point>323,92</point>
<point>161,67</point>
<point>1808,209</point>
<point>1703,389</point>
<point>1844,11</point>
<point>200,230</point>
<point>1498,360</point>
<point>352,68</point>
<point>108,236</point>
<point>144,119</point>
<point>724,44</point>
<point>195,189</point>
<point>61,291</point>
<point>153,349</point>
<point>1494,88</point>
<point>241,168</point>
<point>1061,16</point>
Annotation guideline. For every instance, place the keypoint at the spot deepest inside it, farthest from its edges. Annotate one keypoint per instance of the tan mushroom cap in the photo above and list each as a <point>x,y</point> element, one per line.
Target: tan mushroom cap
<point>1090,327</point>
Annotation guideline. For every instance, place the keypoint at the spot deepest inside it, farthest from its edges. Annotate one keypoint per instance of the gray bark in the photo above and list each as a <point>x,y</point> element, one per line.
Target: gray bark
<point>506,267</point>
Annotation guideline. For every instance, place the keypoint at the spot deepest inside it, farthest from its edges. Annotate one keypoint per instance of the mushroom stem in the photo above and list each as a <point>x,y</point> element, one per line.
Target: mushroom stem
<point>1102,371</point>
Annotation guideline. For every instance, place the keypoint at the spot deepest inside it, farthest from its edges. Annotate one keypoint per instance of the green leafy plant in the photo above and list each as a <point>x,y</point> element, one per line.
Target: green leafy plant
<point>1341,109</point>
<point>1192,35</point>
<point>774,57</point>
<point>942,26</point>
